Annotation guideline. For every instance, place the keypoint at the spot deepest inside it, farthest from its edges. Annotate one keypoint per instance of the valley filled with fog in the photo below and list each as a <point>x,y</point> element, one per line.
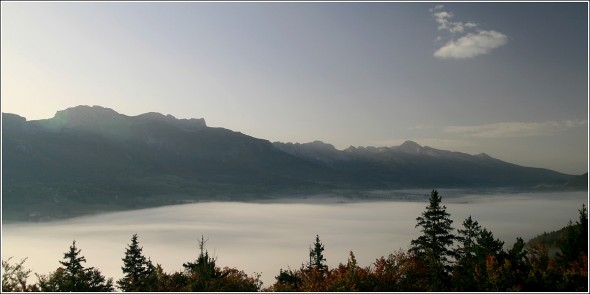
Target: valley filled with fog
<point>264,237</point>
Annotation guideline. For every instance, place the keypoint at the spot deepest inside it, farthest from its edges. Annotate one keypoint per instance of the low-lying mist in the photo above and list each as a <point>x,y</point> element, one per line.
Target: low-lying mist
<point>265,237</point>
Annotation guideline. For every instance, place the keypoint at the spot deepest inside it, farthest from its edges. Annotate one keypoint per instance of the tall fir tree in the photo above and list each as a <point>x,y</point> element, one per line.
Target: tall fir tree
<point>464,270</point>
<point>434,243</point>
<point>467,238</point>
<point>74,277</point>
<point>136,269</point>
<point>316,256</point>
<point>73,266</point>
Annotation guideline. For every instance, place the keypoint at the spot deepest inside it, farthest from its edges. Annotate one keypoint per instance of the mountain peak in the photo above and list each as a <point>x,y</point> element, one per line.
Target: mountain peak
<point>319,145</point>
<point>94,110</point>
<point>84,114</point>
<point>98,117</point>
<point>484,155</point>
<point>13,119</point>
<point>153,116</point>
<point>410,147</point>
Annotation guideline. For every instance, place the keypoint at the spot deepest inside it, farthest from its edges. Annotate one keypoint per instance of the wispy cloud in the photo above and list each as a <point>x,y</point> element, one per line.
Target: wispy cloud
<point>468,45</point>
<point>514,129</point>
<point>443,18</point>
<point>437,7</point>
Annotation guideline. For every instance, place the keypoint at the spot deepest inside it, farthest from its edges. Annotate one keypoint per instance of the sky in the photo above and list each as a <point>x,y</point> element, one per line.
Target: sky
<point>506,79</point>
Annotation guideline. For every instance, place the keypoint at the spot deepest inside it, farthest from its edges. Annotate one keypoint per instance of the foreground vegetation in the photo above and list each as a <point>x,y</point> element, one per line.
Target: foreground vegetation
<point>470,259</point>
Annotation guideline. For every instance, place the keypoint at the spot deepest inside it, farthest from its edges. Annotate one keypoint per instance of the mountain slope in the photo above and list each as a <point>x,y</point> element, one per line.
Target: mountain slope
<point>88,159</point>
<point>93,159</point>
<point>411,165</point>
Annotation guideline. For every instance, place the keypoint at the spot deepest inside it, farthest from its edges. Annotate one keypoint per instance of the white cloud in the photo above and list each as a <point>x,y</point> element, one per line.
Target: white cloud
<point>443,15</point>
<point>472,45</point>
<point>469,45</point>
<point>514,129</point>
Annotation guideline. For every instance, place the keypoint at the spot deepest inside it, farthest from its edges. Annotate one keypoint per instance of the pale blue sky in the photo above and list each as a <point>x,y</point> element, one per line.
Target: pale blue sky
<point>507,79</point>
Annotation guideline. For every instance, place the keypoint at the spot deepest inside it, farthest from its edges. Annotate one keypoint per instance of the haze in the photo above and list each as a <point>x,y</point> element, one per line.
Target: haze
<point>507,79</point>
<point>265,237</point>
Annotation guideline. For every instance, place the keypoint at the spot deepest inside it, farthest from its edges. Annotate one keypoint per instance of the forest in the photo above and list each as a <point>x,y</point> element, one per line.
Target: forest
<point>442,258</point>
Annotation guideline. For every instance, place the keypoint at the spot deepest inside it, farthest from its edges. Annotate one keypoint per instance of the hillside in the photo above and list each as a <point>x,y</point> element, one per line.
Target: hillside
<point>551,240</point>
<point>90,159</point>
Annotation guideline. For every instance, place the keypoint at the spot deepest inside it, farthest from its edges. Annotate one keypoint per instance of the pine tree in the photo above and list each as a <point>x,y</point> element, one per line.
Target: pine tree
<point>489,254</point>
<point>136,269</point>
<point>467,238</point>
<point>203,271</point>
<point>73,277</point>
<point>463,274</point>
<point>519,263</point>
<point>576,239</point>
<point>316,258</point>
<point>204,264</point>
<point>487,245</point>
<point>73,267</point>
<point>435,241</point>
<point>573,260</point>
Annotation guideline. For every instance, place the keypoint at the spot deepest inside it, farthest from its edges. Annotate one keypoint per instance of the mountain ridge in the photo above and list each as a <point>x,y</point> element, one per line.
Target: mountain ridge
<point>87,159</point>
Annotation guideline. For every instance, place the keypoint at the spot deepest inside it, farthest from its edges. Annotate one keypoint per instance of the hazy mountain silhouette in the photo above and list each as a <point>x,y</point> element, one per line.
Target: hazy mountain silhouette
<point>87,159</point>
<point>413,165</point>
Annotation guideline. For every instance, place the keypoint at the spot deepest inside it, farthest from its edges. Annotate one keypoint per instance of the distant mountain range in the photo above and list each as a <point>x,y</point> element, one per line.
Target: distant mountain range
<point>88,159</point>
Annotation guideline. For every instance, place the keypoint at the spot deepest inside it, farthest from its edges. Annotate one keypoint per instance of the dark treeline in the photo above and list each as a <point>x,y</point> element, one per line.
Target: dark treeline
<point>440,259</point>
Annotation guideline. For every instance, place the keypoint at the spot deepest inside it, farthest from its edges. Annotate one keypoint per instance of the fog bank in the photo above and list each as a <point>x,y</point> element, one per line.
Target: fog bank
<point>265,237</point>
